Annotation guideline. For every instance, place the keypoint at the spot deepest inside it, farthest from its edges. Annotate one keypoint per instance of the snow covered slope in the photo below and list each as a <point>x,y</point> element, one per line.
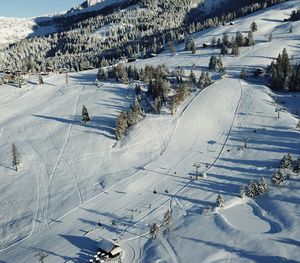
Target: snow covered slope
<point>74,176</point>
<point>15,29</point>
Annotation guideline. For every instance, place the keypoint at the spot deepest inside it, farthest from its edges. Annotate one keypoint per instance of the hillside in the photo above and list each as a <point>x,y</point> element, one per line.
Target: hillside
<point>74,176</point>
<point>134,29</point>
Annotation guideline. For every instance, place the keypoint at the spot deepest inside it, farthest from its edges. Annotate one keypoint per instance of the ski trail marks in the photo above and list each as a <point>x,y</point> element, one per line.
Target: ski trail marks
<point>64,146</point>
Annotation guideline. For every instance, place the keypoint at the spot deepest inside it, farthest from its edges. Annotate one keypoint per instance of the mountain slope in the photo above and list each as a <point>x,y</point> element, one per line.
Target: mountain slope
<point>74,176</point>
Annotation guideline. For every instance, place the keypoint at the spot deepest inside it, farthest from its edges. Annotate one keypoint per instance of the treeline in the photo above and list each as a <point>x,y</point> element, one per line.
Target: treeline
<point>156,88</point>
<point>285,76</point>
<point>295,15</point>
<point>135,32</point>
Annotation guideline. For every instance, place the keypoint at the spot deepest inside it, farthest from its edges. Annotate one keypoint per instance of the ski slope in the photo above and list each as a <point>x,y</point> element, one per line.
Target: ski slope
<point>74,176</point>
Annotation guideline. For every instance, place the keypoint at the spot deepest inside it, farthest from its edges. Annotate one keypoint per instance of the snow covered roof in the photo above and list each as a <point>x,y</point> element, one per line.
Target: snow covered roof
<point>107,246</point>
<point>116,251</point>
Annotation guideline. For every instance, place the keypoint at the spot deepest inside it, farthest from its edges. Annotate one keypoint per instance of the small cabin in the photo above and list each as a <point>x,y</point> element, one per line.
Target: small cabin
<point>110,248</point>
<point>206,45</point>
<point>43,73</point>
<point>8,71</point>
<point>9,78</point>
<point>258,72</point>
<point>49,69</point>
<point>63,70</point>
<point>131,59</point>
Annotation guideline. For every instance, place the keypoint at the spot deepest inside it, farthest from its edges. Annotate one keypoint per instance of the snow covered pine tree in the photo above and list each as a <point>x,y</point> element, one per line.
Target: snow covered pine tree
<point>220,201</point>
<point>85,115</point>
<point>277,177</point>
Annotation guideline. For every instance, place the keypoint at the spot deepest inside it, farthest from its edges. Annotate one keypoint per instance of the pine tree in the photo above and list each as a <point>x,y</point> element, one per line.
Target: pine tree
<point>235,49</point>
<point>239,39</point>
<point>193,48</point>
<point>277,178</point>
<point>286,162</point>
<point>252,189</point>
<point>220,201</point>
<point>15,156</point>
<point>19,83</point>
<point>208,80</point>
<point>250,39</point>
<point>297,170</point>
<point>121,125</point>
<point>201,81</point>
<point>253,26</point>
<point>102,74</point>
<point>190,44</point>
<point>224,50</point>
<point>192,77</point>
<point>85,114</point>
<point>225,40</point>
<point>213,41</point>
<point>172,49</point>
<point>40,79</point>
<point>262,186</point>
<point>215,63</point>
<point>242,191</point>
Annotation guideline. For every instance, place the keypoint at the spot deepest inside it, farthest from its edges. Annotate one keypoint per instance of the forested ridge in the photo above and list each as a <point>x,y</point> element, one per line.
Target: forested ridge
<point>132,29</point>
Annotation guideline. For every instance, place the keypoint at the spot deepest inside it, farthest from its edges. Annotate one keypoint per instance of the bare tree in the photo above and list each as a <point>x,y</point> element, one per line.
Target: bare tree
<point>15,156</point>
<point>154,230</point>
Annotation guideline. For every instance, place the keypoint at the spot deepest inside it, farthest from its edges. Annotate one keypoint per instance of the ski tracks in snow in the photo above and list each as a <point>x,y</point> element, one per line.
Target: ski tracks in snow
<point>64,146</point>
<point>169,249</point>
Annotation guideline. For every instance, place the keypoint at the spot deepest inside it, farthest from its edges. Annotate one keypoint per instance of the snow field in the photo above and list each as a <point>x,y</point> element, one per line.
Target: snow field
<point>72,177</point>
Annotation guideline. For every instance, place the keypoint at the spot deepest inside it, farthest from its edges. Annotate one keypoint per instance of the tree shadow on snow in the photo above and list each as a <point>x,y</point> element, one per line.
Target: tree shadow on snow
<point>242,253</point>
<point>87,246</point>
<point>105,125</point>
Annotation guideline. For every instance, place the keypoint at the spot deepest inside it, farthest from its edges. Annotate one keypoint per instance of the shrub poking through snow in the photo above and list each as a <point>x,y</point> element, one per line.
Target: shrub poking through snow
<point>220,201</point>
<point>286,162</point>
<point>277,177</point>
